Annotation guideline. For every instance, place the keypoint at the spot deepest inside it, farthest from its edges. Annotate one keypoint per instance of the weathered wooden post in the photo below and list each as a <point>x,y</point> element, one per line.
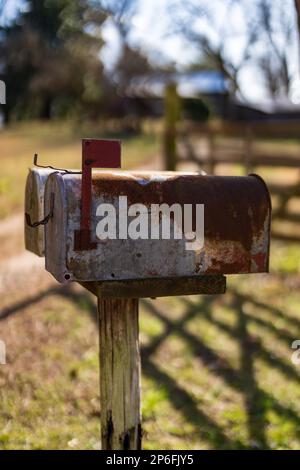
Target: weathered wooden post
<point>130,235</point>
<point>211,141</point>
<point>120,362</point>
<point>119,373</point>
<point>171,117</point>
<point>248,149</point>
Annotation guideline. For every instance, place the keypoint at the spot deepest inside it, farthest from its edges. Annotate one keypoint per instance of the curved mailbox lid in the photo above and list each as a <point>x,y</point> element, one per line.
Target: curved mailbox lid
<point>237,213</point>
<point>34,206</point>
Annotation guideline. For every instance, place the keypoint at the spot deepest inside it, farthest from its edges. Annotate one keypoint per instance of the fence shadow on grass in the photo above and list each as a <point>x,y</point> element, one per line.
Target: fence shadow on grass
<point>80,298</point>
<point>257,402</point>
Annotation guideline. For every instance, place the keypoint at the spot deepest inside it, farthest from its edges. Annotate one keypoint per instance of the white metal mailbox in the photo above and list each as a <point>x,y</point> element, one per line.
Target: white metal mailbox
<point>234,238</point>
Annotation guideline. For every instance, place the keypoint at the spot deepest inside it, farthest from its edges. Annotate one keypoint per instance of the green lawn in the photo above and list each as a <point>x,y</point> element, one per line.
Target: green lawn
<point>217,371</point>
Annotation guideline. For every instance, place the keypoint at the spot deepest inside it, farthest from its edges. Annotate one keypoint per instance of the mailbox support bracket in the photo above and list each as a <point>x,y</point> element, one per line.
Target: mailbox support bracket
<point>96,153</point>
<point>160,287</point>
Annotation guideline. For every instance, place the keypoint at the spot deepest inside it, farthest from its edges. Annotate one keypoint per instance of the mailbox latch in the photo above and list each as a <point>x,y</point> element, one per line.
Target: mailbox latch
<point>45,219</point>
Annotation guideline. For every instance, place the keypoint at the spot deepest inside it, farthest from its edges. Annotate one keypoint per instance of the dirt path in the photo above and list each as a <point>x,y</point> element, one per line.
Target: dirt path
<point>11,236</point>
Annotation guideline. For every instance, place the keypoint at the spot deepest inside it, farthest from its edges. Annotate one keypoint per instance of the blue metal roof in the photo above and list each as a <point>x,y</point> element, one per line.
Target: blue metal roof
<point>190,84</point>
<point>198,82</point>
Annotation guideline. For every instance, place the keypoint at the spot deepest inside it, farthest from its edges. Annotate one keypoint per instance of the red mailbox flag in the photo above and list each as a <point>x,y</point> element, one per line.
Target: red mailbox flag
<point>96,153</point>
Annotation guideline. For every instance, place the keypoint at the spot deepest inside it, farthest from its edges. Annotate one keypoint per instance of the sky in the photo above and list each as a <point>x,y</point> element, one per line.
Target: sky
<point>153,31</point>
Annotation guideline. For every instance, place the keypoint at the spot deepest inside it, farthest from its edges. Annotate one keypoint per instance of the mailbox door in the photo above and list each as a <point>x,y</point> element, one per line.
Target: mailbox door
<point>236,226</point>
<point>34,206</point>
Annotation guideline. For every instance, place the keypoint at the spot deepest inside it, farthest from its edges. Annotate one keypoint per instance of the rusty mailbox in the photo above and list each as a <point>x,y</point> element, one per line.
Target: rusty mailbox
<point>127,235</point>
<point>151,225</point>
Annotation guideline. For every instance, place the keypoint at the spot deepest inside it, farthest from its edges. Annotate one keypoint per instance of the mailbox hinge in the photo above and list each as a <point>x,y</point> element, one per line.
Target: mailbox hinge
<point>95,154</point>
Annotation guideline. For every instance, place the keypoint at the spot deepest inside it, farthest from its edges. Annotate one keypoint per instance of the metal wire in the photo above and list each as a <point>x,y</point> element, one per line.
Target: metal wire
<point>45,220</point>
<point>63,170</point>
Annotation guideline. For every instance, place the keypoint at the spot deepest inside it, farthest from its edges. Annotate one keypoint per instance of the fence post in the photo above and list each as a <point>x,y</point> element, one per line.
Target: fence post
<point>248,150</point>
<point>211,152</point>
<point>172,116</point>
<point>119,374</point>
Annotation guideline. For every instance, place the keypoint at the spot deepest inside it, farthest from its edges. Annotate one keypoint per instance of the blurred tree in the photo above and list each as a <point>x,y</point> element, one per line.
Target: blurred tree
<point>121,12</point>
<point>132,62</point>
<point>50,58</point>
<point>199,22</point>
<point>234,34</point>
<point>297,7</point>
<point>275,29</point>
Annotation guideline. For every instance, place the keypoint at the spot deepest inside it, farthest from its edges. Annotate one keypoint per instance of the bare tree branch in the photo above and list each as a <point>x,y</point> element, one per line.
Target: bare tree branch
<point>265,36</point>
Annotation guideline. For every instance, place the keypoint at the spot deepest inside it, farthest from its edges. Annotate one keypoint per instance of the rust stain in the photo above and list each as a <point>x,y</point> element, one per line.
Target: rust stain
<point>260,260</point>
<point>232,211</point>
<point>197,267</point>
<point>152,273</point>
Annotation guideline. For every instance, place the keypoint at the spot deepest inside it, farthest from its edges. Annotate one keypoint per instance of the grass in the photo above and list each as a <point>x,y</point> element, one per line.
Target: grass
<point>224,368</point>
<point>58,144</point>
<point>50,400</point>
<point>217,371</point>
